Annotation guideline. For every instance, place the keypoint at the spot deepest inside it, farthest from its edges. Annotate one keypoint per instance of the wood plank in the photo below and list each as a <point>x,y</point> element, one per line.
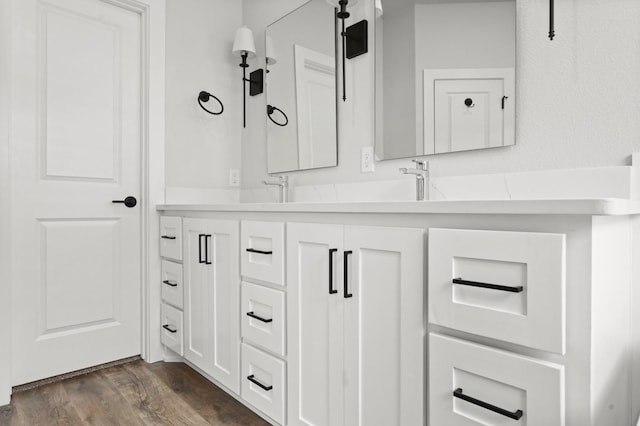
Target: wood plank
<point>211,402</point>
<point>48,405</point>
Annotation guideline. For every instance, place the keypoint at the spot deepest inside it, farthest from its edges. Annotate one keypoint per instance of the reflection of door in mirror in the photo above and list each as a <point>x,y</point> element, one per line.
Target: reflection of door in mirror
<point>433,55</point>
<point>302,85</point>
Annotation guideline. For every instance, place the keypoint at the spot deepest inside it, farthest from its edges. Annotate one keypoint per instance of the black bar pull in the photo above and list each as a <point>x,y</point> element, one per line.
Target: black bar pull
<point>516,415</point>
<point>168,237</point>
<point>252,315</point>
<point>346,274</point>
<point>206,250</point>
<point>252,379</point>
<point>170,283</point>
<point>331,289</point>
<point>250,250</point>
<point>504,98</point>
<point>460,281</point>
<point>200,237</point>
<point>169,329</point>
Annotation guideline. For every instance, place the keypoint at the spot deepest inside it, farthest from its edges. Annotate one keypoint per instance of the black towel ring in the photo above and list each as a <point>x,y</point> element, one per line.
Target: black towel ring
<point>204,97</point>
<point>271,109</point>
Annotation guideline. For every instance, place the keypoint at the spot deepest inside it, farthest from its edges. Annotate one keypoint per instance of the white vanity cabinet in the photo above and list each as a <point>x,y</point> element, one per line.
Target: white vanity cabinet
<point>212,298</point>
<point>355,325</point>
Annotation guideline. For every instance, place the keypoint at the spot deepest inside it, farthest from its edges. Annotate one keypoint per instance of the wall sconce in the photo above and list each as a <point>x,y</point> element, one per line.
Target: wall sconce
<point>245,47</point>
<point>204,97</point>
<point>270,51</point>
<point>354,38</point>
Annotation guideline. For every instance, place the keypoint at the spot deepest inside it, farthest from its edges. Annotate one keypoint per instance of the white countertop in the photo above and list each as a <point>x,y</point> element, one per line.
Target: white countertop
<point>600,207</point>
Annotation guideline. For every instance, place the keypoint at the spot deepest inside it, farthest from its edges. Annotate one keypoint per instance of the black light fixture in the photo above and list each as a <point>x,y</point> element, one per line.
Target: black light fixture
<point>244,47</point>
<point>552,30</point>
<point>204,97</point>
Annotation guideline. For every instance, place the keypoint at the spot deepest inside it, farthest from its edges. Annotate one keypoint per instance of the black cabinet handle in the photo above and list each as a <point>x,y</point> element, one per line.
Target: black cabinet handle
<point>252,315</point>
<point>200,237</point>
<point>170,283</point>
<point>250,250</point>
<point>252,379</point>
<point>346,274</point>
<point>167,237</point>
<point>331,289</point>
<point>516,415</point>
<point>460,281</point>
<point>169,329</point>
<point>206,250</point>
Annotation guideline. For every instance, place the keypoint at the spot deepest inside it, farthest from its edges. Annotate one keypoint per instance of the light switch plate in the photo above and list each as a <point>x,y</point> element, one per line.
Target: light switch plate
<point>367,162</point>
<point>234,177</point>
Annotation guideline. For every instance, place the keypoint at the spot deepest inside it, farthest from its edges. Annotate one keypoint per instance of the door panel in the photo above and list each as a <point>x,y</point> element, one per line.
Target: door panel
<point>314,325</point>
<point>76,140</point>
<point>384,327</point>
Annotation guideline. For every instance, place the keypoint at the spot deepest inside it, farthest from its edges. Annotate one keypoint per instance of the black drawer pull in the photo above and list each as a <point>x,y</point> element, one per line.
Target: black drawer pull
<point>206,250</point>
<point>252,379</point>
<point>516,415</point>
<point>200,237</point>
<point>331,289</point>
<point>346,275</point>
<point>167,237</point>
<point>252,315</point>
<point>169,329</point>
<point>460,281</point>
<point>170,283</point>
<point>250,250</point>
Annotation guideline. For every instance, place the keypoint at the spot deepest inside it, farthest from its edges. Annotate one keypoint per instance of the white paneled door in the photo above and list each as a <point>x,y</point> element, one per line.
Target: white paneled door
<point>75,148</point>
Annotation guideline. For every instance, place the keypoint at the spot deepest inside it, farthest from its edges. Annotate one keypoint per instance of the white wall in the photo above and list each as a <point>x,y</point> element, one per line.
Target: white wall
<point>5,227</point>
<point>577,97</point>
<point>201,148</point>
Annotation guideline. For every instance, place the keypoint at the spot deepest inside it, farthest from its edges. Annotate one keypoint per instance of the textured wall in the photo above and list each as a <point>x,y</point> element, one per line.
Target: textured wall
<point>577,96</point>
<point>201,148</point>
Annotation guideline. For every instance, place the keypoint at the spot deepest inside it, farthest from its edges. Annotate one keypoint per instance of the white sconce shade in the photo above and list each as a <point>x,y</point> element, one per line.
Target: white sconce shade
<point>378,8</point>
<point>244,43</point>
<point>271,54</point>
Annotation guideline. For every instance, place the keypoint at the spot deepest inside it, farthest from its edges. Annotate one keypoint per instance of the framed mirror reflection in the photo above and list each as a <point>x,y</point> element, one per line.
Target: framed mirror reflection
<point>445,76</point>
<point>301,89</point>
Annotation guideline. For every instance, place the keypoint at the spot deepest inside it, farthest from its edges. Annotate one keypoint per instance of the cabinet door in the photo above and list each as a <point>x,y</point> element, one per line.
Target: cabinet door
<point>314,324</point>
<point>384,326</point>
<point>211,299</point>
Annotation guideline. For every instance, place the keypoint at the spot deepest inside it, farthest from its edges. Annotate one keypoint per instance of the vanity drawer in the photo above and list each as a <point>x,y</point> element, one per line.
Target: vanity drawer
<point>171,328</point>
<point>263,318</point>
<point>262,251</point>
<point>463,375</point>
<point>172,285</point>
<point>171,237</point>
<point>263,382</point>
<point>508,286</point>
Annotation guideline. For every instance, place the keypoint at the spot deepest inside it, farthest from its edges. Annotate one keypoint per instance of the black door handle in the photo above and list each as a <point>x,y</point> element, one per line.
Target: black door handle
<point>346,275</point>
<point>331,289</point>
<point>129,202</point>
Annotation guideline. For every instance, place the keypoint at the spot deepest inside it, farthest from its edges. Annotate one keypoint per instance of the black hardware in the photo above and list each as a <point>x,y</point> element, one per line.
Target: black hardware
<point>250,250</point>
<point>469,103</point>
<point>244,66</point>
<point>170,283</point>
<point>516,415</point>
<point>256,82</point>
<point>129,202</point>
<point>346,274</point>
<point>169,329</point>
<point>255,382</point>
<point>254,316</point>
<point>331,289</point>
<point>204,97</point>
<point>357,37</point>
<point>504,98</point>
<point>206,250</point>
<point>271,109</point>
<point>167,237</point>
<point>460,281</point>
<point>552,30</point>
<point>200,237</point>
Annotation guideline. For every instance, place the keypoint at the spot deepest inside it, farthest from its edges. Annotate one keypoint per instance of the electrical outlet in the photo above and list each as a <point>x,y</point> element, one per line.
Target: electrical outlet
<point>367,163</point>
<point>234,177</point>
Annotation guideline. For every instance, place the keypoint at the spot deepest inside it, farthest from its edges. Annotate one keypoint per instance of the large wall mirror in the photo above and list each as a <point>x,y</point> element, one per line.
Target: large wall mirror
<point>445,76</point>
<point>301,89</point>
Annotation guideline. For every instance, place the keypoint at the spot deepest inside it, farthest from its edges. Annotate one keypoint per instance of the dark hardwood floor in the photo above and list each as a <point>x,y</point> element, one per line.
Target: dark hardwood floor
<point>131,394</point>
